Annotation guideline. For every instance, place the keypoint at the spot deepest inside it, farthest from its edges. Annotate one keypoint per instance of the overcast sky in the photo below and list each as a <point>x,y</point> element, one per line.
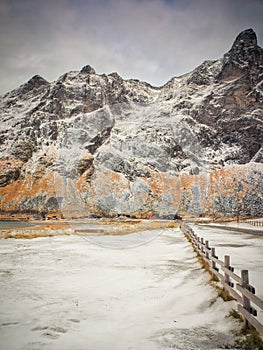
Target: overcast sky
<point>151,40</point>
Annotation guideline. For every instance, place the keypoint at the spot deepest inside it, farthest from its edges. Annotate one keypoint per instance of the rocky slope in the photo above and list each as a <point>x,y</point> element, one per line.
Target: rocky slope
<point>97,144</point>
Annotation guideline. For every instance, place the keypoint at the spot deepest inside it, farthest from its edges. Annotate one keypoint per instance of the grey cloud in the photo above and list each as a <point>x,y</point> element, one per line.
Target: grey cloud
<point>152,40</point>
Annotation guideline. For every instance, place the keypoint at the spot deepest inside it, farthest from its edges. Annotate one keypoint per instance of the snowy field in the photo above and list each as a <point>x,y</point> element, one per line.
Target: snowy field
<point>67,292</point>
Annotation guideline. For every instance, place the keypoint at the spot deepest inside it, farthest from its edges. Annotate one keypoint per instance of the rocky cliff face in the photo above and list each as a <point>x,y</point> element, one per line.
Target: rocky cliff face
<point>97,144</point>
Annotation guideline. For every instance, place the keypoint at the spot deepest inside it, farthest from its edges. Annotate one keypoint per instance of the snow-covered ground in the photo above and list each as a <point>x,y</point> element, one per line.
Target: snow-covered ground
<point>69,293</point>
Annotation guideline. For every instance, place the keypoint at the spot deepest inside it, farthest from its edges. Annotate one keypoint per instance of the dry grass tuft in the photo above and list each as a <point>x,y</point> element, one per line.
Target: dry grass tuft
<point>105,227</point>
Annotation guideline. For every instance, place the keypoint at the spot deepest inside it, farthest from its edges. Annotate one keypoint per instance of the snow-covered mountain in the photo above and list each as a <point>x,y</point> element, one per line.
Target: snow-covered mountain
<point>98,144</point>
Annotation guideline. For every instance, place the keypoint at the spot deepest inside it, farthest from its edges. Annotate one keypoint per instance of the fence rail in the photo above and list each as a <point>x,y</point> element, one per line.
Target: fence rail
<point>243,292</point>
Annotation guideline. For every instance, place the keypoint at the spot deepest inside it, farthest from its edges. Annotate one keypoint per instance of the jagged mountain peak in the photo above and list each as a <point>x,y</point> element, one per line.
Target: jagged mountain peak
<point>88,70</point>
<point>244,57</point>
<point>37,80</point>
<point>34,83</point>
<point>115,75</point>
<point>32,86</point>
<point>247,38</point>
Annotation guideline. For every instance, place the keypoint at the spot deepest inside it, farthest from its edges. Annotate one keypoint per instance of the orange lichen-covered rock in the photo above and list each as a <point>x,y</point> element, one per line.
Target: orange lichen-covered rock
<point>232,189</point>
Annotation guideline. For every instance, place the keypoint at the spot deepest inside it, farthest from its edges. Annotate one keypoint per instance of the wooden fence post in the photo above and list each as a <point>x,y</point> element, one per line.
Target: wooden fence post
<point>213,253</point>
<point>227,265</point>
<point>198,241</point>
<point>207,247</point>
<point>202,247</point>
<point>245,285</point>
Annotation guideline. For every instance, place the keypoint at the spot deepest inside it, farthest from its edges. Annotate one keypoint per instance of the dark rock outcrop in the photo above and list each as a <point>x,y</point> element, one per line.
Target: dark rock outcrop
<point>245,57</point>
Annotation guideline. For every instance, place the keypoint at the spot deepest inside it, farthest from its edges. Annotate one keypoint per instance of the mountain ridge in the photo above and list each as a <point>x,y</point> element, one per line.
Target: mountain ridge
<point>114,146</point>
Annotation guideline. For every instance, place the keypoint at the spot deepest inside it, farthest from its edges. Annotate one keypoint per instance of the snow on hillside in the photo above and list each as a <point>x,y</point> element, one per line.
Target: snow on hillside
<point>85,125</point>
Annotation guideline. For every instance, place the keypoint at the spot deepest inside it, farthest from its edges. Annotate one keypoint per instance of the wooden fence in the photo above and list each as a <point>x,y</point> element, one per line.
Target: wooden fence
<point>241,291</point>
<point>254,222</point>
